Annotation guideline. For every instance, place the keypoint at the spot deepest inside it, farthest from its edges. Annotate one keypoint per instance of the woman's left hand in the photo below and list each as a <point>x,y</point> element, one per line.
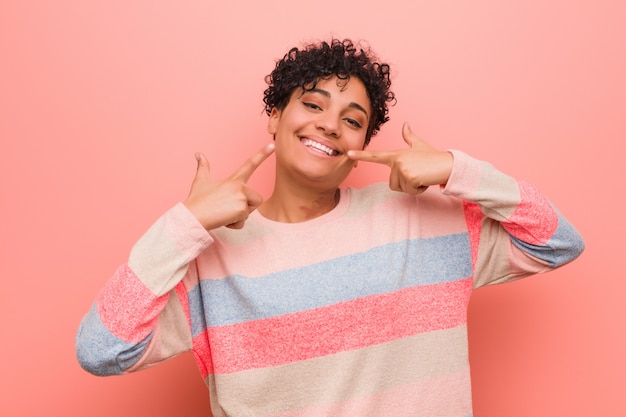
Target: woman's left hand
<point>413,170</point>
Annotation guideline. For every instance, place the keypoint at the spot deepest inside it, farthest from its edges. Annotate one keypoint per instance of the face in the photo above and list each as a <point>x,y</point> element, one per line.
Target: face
<point>316,129</point>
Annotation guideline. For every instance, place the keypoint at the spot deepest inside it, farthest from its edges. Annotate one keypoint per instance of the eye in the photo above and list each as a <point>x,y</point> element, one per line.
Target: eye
<point>311,105</point>
<point>353,122</point>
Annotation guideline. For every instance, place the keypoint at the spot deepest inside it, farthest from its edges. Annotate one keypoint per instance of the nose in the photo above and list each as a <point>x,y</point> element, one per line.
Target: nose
<point>328,123</point>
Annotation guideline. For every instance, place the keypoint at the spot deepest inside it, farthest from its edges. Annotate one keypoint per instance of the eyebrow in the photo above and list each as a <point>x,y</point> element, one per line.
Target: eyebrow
<point>327,94</point>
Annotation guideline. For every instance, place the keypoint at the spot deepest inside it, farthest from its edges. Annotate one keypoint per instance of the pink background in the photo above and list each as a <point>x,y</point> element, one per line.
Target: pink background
<point>103,104</point>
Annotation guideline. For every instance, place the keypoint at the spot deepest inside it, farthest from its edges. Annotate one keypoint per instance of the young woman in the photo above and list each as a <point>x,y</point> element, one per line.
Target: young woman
<point>325,300</point>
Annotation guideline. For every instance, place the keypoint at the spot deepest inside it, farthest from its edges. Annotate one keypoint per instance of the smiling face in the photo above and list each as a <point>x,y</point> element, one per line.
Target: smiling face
<point>316,129</point>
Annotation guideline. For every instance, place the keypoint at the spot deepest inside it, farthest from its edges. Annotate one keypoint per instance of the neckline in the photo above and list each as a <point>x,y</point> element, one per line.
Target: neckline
<point>337,211</point>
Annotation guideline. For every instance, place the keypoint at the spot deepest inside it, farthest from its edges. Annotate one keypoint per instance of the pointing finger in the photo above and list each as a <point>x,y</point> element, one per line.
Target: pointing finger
<point>247,169</point>
<point>378,157</point>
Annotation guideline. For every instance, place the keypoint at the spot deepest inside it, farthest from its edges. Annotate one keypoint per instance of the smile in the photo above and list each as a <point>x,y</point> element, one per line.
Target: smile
<point>319,147</point>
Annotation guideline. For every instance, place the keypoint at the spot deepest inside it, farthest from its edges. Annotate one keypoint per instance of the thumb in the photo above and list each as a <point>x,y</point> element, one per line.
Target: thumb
<point>414,141</point>
<point>407,134</point>
<point>203,169</point>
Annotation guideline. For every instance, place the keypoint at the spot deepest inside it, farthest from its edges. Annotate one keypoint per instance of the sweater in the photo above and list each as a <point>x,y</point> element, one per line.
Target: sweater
<point>359,312</point>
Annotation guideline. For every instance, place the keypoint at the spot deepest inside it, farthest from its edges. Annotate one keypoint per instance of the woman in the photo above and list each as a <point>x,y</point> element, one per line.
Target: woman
<point>325,300</point>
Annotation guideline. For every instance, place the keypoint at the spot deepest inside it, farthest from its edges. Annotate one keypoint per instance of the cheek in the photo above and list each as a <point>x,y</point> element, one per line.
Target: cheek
<point>357,142</point>
<point>289,122</point>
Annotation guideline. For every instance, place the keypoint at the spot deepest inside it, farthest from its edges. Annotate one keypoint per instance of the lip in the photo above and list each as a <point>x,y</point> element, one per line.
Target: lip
<point>323,142</point>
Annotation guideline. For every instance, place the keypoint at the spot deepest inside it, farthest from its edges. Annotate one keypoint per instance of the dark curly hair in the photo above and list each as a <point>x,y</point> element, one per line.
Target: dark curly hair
<point>304,67</point>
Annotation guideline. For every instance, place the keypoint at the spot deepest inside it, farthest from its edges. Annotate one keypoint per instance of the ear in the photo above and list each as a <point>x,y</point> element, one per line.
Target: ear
<point>272,123</point>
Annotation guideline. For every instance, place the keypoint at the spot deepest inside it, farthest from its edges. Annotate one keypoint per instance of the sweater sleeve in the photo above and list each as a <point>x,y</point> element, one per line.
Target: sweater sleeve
<point>140,316</point>
<point>514,230</point>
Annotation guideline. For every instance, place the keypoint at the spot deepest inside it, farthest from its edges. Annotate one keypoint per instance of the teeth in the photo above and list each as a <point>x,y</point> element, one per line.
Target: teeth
<point>319,147</point>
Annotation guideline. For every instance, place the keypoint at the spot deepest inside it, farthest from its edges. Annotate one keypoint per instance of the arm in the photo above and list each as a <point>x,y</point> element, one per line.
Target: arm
<point>514,231</point>
<point>140,317</point>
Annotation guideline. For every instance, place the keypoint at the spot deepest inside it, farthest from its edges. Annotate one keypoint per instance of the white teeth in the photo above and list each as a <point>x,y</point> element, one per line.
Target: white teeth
<point>319,147</point>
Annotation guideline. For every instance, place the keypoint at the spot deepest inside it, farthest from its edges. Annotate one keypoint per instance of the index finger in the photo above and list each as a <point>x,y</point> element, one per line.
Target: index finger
<point>378,157</point>
<point>246,170</point>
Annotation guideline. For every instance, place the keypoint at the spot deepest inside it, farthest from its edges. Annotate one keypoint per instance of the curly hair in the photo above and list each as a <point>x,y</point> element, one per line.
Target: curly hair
<point>304,67</point>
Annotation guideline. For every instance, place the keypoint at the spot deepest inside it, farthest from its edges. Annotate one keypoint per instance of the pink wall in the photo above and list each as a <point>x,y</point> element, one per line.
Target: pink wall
<point>103,103</point>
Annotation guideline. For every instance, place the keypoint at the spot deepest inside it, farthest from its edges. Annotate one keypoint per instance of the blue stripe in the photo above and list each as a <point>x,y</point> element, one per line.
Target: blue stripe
<point>564,246</point>
<point>102,353</point>
<point>383,269</point>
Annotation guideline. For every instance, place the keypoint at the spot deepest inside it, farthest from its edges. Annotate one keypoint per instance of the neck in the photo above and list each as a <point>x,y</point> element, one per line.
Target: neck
<point>294,206</point>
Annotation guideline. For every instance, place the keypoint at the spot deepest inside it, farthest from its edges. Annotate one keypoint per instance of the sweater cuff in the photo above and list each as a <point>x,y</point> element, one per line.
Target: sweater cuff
<point>182,227</point>
<point>160,256</point>
<point>464,177</point>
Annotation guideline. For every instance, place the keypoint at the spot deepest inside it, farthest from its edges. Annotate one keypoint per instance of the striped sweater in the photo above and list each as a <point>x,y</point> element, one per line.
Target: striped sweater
<point>359,312</point>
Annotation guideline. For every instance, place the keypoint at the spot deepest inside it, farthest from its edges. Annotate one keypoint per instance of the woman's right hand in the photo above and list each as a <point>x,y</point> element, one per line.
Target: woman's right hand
<point>227,202</point>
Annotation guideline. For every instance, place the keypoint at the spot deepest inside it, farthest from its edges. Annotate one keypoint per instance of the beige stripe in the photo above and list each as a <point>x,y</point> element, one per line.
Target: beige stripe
<point>500,188</point>
<point>157,260</point>
<point>171,337</point>
<point>336,378</point>
<point>499,260</point>
<point>492,265</point>
<point>174,331</point>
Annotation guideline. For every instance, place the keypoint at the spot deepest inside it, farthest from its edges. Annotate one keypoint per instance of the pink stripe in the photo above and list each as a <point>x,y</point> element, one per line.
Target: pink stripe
<point>327,330</point>
<point>200,344</point>
<point>535,211</point>
<point>473,218</point>
<point>127,307</point>
<point>202,353</point>
<point>445,396</point>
